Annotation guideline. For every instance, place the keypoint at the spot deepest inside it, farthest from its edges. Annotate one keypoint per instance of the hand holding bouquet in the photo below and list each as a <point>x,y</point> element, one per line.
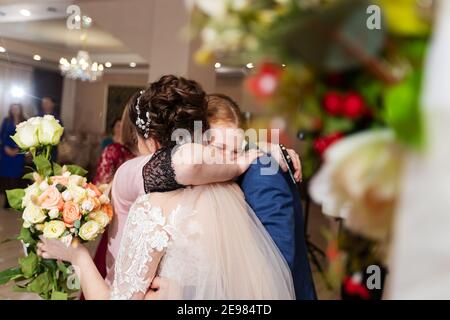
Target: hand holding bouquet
<point>59,204</point>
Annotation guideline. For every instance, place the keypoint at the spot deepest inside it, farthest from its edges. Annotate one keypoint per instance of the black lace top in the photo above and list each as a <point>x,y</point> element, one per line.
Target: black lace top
<point>158,173</point>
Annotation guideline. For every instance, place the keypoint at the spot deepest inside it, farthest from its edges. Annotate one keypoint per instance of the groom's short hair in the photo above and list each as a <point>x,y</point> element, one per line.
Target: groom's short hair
<point>223,109</point>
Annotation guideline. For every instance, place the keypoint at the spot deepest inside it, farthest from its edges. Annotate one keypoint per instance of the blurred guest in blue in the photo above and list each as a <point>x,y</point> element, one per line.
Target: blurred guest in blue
<point>11,160</point>
<point>116,130</point>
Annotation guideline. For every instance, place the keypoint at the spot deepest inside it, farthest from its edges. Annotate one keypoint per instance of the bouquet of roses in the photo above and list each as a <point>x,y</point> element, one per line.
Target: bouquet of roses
<point>59,204</point>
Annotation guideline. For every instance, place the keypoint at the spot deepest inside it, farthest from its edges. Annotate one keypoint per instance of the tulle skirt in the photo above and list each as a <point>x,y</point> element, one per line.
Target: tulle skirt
<point>219,248</point>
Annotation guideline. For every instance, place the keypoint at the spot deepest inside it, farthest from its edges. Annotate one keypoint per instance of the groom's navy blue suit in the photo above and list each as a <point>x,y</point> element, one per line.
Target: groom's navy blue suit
<point>276,201</point>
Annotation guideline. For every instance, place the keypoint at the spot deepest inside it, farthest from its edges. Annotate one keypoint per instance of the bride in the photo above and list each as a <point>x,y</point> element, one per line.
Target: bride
<point>204,242</point>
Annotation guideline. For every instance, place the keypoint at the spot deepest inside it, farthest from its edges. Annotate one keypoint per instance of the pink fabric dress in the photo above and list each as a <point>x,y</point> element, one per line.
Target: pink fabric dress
<point>127,186</point>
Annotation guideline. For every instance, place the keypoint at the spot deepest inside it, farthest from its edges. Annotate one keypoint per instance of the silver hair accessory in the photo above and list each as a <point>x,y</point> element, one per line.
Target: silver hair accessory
<point>140,123</point>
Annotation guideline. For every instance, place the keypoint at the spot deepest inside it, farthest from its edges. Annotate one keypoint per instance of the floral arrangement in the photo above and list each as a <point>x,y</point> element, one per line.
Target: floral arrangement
<point>59,204</point>
<point>351,93</point>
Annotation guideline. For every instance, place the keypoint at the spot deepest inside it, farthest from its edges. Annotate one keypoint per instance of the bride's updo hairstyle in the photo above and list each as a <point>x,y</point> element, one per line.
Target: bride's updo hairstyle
<point>168,104</point>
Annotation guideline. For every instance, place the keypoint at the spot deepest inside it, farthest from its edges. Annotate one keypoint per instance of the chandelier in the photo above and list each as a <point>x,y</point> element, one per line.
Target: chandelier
<point>81,67</point>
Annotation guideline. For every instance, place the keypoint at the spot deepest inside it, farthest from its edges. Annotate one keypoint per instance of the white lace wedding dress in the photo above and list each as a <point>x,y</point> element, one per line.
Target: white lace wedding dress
<point>204,242</point>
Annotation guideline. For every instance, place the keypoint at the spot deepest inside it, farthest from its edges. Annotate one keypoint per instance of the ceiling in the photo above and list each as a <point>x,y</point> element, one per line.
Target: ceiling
<point>44,27</point>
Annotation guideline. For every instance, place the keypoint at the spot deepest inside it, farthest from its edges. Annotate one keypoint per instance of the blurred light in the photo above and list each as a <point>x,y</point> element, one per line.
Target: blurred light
<point>87,21</point>
<point>108,64</point>
<point>17,92</point>
<point>77,18</point>
<point>283,65</point>
<point>217,65</point>
<point>25,12</point>
<point>133,64</point>
<point>37,57</point>
<point>2,49</point>
<point>250,65</point>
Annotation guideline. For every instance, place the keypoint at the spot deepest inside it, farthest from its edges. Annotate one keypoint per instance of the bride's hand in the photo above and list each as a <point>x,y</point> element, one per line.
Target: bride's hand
<point>56,249</point>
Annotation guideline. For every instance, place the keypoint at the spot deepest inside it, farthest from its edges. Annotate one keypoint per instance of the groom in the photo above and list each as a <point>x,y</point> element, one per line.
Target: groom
<point>275,199</point>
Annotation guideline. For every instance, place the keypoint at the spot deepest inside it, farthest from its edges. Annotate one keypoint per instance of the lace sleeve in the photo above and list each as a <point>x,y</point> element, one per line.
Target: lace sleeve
<point>142,246</point>
<point>158,172</point>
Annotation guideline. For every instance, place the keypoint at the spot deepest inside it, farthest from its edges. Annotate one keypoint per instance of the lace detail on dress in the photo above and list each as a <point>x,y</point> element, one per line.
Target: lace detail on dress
<point>144,241</point>
<point>158,173</point>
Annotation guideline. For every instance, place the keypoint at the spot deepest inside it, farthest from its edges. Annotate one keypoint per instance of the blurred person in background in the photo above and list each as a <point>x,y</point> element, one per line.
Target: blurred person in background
<point>11,160</point>
<point>123,148</point>
<point>48,107</point>
<point>116,131</point>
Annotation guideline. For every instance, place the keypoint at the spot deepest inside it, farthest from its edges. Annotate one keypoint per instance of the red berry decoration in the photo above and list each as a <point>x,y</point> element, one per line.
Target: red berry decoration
<point>354,287</point>
<point>321,144</point>
<point>354,106</point>
<point>333,103</point>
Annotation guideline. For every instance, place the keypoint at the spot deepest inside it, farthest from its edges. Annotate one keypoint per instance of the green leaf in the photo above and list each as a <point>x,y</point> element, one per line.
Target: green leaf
<point>28,176</point>
<point>43,166</point>
<point>73,169</point>
<point>332,125</point>
<point>29,264</point>
<point>15,197</point>
<point>26,236</point>
<point>77,224</point>
<point>57,169</point>
<point>49,264</point>
<point>56,295</point>
<point>41,284</point>
<point>18,288</point>
<point>61,188</point>
<point>9,274</point>
<point>402,110</point>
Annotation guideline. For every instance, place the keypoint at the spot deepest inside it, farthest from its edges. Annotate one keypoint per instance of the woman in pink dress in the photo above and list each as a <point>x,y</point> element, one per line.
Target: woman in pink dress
<point>112,157</point>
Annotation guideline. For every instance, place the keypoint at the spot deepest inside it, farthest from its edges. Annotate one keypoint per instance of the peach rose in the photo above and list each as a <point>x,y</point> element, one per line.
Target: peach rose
<point>96,202</point>
<point>51,198</point>
<point>71,213</point>
<point>107,208</point>
<point>60,180</point>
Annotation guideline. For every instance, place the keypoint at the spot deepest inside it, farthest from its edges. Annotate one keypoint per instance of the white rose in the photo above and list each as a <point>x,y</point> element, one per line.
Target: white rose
<point>89,230</point>
<point>33,214</point>
<point>91,193</point>
<point>43,185</point>
<point>35,121</point>
<point>76,180</point>
<point>77,193</point>
<point>359,181</point>
<point>66,173</point>
<point>66,195</point>
<point>50,131</point>
<point>87,205</point>
<point>31,192</point>
<point>100,217</point>
<point>104,199</point>
<point>54,229</point>
<point>53,213</point>
<point>26,136</point>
